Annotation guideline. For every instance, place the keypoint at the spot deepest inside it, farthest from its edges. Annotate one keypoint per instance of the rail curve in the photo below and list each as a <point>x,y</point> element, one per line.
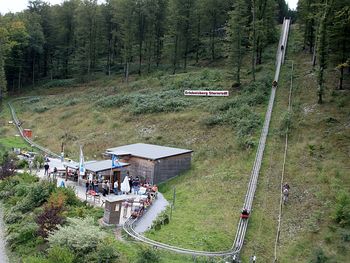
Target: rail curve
<point>233,253</point>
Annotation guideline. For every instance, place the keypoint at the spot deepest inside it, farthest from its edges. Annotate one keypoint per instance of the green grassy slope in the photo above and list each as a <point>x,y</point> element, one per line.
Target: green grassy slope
<point>108,113</point>
<point>317,168</point>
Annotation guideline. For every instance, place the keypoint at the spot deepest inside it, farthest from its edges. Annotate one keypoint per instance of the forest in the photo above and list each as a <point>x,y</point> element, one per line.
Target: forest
<point>78,39</point>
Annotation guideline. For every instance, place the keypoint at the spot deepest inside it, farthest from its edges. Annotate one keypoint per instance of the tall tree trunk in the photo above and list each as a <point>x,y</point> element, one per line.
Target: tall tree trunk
<point>33,71</point>
<point>254,41</point>
<point>340,86</point>
<point>213,39</point>
<point>198,38</point>
<point>175,54</point>
<point>19,77</point>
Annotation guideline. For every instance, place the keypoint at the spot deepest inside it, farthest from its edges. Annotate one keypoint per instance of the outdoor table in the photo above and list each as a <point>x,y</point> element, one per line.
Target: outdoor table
<point>93,194</point>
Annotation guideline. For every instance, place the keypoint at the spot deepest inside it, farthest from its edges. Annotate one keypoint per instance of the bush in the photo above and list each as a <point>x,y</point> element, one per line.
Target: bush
<point>21,164</point>
<point>21,234</point>
<point>319,256</point>
<point>12,216</point>
<point>285,122</point>
<point>71,102</point>
<point>41,109</point>
<point>80,235</point>
<point>60,254</point>
<point>38,193</point>
<point>105,252</point>
<point>342,209</point>
<point>113,101</point>
<point>51,216</point>
<point>165,101</point>
<point>148,256</point>
<point>35,260</point>
<point>59,83</point>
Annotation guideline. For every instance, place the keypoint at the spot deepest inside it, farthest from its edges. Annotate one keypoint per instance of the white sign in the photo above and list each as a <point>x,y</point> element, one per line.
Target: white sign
<point>214,93</point>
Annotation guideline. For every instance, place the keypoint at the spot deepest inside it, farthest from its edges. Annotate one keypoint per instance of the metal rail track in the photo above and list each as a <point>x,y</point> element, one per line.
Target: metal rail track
<point>233,253</point>
<point>20,130</point>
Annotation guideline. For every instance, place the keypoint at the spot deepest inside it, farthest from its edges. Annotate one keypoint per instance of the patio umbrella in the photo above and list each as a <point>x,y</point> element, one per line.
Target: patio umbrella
<point>125,187</point>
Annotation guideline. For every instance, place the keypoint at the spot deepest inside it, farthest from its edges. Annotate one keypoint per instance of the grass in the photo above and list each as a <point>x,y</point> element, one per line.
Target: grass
<point>316,169</point>
<point>108,112</point>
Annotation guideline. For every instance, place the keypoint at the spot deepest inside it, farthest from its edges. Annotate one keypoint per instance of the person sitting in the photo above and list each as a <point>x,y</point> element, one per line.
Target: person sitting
<point>286,186</point>
<point>245,213</point>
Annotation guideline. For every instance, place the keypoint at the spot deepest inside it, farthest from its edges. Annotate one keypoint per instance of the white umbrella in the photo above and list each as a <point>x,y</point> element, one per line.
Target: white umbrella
<point>125,186</point>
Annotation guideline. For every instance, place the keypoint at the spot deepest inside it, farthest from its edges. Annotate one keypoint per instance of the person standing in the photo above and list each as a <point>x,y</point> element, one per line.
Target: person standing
<point>87,185</point>
<point>104,188</point>
<point>37,166</point>
<point>96,186</point>
<point>136,185</point>
<point>130,183</point>
<point>54,173</point>
<point>46,166</point>
<point>30,166</point>
<point>115,187</point>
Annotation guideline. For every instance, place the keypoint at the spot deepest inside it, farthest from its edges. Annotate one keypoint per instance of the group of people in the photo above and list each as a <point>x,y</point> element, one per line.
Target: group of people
<point>285,191</point>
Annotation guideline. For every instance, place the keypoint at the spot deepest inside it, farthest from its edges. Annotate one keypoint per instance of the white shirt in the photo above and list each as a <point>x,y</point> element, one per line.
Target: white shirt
<point>116,184</point>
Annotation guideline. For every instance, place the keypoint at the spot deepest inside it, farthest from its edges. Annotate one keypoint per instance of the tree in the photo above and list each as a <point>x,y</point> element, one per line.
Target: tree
<point>238,35</point>
<point>7,167</point>
<point>87,31</point>
<point>36,42</point>
<point>322,52</point>
<point>340,38</point>
<point>3,43</point>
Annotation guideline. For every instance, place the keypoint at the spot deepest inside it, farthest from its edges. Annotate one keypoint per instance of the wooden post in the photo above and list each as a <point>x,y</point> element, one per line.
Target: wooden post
<point>174,197</point>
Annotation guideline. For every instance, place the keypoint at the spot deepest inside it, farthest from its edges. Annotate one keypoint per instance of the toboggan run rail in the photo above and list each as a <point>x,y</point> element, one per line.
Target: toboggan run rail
<point>233,253</point>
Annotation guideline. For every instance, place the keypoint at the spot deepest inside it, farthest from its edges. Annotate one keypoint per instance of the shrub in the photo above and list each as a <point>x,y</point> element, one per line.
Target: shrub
<point>51,216</point>
<point>41,108</point>
<point>38,193</point>
<point>113,101</point>
<point>165,101</point>
<point>12,216</point>
<point>60,254</point>
<point>148,256</point>
<point>342,209</point>
<point>319,256</point>
<point>71,102</point>
<point>80,235</point>
<point>21,164</point>
<point>21,234</point>
<point>7,167</point>
<point>59,83</point>
<point>105,252</point>
<point>285,122</point>
<point>35,260</point>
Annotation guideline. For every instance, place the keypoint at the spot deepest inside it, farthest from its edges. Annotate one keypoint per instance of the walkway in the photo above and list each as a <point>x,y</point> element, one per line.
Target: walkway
<point>158,206</point>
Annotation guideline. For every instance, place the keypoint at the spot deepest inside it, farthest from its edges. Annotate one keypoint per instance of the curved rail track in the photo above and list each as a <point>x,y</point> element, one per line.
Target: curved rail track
<point>233,253</point>
<point>20,130</point>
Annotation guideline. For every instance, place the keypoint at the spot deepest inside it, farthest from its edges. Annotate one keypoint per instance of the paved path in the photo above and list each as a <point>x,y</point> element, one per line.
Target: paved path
<point>145,222</point>
<point>3,256</point>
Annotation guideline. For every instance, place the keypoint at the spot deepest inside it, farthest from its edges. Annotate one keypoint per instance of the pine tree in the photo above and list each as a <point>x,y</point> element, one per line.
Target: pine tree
<point>237,36</point>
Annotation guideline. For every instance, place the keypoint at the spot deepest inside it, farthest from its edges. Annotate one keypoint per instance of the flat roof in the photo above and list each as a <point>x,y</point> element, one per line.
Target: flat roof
<point>96,166</point>
<point>100,166</point>
<point>147,151</point>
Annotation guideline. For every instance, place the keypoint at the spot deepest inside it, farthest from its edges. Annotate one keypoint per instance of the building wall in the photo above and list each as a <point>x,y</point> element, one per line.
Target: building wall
<point>141,167</point>
<point>170,167</point>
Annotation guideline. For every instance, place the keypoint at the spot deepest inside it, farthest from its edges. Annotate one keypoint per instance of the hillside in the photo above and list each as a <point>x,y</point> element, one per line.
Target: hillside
<point>223,133</point>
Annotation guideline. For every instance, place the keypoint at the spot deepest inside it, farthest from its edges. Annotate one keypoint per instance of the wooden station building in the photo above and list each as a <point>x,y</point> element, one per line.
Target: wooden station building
<point>153,163</point>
